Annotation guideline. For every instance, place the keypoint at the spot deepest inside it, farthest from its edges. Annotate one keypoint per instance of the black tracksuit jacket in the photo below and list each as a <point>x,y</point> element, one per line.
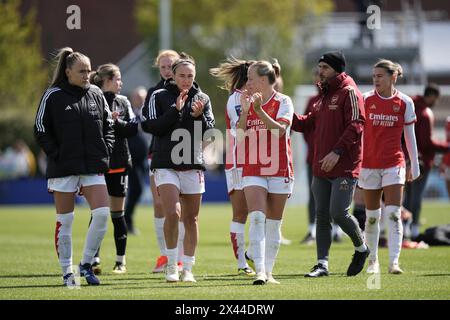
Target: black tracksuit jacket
<point>162,119</point>
<point>124,127</point>
<point>75,129</point>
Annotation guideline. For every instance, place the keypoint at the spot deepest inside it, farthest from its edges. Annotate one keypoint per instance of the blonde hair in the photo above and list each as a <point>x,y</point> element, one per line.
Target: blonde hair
<point>392,68</point>
<point>233,72</point>
<point>166,53</point>
<point>65,58</point>
<point>105,71</point>
<point>265,68</point>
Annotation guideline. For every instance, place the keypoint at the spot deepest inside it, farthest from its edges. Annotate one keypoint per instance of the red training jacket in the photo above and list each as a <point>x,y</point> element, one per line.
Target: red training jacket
<point>337,120</point>
<point>426,146</point>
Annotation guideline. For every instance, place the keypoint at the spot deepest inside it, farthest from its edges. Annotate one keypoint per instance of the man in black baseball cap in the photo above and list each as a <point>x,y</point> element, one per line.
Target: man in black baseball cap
<point>335,59</point>
<point>338,119</point>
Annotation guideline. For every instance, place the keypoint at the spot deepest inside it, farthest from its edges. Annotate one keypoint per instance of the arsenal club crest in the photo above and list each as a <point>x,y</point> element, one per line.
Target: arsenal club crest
<point>396,108</point>
<point>334,99</point>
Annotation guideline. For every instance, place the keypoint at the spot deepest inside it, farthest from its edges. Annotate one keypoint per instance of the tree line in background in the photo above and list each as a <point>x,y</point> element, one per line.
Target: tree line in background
<point>23,76</point>
<point>209,30</point>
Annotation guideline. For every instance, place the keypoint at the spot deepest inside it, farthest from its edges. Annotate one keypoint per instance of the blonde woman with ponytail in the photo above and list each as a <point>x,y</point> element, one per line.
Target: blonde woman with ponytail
<point>74,128</point>
<point>268,175</point>
<point>389,114</point>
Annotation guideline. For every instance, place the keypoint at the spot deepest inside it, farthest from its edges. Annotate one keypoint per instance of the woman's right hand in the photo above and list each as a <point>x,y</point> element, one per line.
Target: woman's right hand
<point>245,100</point>
<point>181,99</point>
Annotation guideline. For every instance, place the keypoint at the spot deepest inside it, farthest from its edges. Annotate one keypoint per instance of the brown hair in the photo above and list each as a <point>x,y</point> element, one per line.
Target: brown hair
<point>65,58</point>
<point>432,89</point>
<point>391,67</point>
<point>166,53</point>
<point>265,68</point>
<point>233,72</point>
<point>105,71</point>
<point>183,60</point>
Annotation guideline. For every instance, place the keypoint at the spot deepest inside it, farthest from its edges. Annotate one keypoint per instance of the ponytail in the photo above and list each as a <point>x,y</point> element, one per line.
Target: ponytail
<point>65,58</point>
<point>392,68</point>
<point>105,71</point>
<point>61,65</point>
<point>271,70</point>
<point>233,72</point>
<point>276,67</point>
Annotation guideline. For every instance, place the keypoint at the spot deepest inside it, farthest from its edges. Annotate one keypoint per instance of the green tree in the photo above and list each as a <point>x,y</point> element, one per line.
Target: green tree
<point>22,76</point>
<point>210,30</point>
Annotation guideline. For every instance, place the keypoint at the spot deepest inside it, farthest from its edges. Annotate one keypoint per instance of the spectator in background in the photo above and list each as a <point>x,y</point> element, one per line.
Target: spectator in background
<point>427,148</point>
<point>42,163</point>
<point>138,173</point>
<point>17,161</point>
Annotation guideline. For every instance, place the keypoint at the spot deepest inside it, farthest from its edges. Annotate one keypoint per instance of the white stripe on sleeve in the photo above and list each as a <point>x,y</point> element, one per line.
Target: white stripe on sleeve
<point>40,115</point>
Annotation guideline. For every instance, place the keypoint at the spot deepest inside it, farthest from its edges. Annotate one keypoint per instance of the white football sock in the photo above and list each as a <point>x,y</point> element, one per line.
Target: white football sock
<point>273,241</point>
<point>372,232</point>
<point>95,234</point>
<point>257,239</point>
<point>172,256</point>
<point>188,262</point>
<point>121,259</point>
<point>237,235</point>
<point>324,263</point>
<point>180,244</point>
<point>159,229</point>
<point>312,229</point>
<point>63,241</point>
<point>383,222</point>
<point>393,214</point>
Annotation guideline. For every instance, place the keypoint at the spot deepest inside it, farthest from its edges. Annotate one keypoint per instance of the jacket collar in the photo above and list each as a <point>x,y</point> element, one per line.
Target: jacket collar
<point>109,96</point>
<point>172,87</point>
<point>74,90</point>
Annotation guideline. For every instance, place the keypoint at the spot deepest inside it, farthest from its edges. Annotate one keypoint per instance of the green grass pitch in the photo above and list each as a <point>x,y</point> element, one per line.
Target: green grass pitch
<point>30,269</point>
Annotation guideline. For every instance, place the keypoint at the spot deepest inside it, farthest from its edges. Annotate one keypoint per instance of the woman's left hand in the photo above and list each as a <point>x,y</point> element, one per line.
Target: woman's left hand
<point>115,115</point>
<point>197,108</point>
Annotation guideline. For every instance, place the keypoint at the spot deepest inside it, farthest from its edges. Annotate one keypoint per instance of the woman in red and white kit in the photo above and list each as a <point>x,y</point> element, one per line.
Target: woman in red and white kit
<point>268,175</point>
<point>234,74</point>
<point>389,114</point>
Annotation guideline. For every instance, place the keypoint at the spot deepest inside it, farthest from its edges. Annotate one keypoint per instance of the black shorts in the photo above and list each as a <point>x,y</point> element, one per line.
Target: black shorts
<point>117,183</point>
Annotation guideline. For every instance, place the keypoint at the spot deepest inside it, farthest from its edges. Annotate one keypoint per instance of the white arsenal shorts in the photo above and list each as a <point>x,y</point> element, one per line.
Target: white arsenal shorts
<point>74,183</point>
<point>376,179</point>
<point>279,185</point>
<point>188,182</point>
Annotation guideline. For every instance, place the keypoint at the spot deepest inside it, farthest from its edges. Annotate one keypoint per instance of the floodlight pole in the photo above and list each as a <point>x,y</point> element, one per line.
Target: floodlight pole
<point>165,23</point>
